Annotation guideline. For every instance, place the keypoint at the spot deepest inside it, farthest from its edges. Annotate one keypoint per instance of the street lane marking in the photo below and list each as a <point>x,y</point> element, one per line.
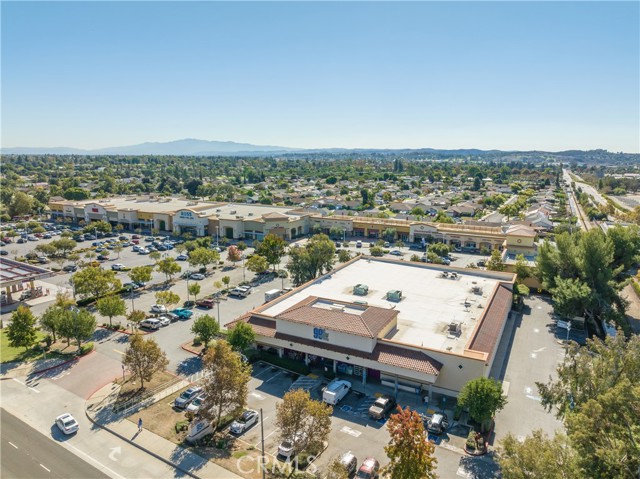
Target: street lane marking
<point>12,444</point>
<point>351,432</point>
<point>94,460</point>
<point>30,387</point>
<point>45,468</point>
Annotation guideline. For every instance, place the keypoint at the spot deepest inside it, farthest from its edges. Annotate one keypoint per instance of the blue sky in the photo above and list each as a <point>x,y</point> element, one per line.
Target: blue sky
<point>523,75</point>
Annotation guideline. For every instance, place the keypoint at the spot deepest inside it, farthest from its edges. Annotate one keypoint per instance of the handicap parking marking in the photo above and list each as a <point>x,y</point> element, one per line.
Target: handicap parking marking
<point>435,439</point>
<point>345,408</point>
<point>382,420</point>
<point>351,432</point>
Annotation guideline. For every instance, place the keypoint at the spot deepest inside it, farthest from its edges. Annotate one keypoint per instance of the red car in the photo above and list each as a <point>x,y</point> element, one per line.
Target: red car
<point>7,240</point>
<point>205,303</point>
<point>369,469</point>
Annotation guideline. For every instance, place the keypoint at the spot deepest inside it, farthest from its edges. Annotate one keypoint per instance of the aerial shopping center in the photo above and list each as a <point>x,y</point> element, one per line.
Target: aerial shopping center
<point>254,221</point>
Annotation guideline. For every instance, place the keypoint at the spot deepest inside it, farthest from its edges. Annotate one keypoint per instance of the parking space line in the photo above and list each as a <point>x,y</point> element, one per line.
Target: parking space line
<point>274,376</point>
<point>119,352</point>
<point>257,444</point>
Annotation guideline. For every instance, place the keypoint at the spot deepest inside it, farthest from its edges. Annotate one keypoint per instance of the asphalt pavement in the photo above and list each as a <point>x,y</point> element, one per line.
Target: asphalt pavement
<point>28,453</point>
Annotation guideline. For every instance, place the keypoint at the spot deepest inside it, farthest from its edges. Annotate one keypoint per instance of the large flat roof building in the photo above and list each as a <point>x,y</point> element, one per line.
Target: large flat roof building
<point>254,221</point>
<point>415,325</point>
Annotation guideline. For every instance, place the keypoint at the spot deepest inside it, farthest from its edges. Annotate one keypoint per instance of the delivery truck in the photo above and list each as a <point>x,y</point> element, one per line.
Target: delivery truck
<point>272,294</point>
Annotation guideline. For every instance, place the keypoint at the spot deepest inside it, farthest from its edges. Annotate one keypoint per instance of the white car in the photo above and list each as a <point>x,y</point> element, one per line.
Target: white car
<point>244,422</point>
<point>286,447</point>
<point>67,423</point>
<point>158,308</point>
<point>117,267</point>
<point>196,276</point>
<point>164,320</point>
<point>195,405</point>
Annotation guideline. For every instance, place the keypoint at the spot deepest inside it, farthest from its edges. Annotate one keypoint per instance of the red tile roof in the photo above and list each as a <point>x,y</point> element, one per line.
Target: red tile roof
<point>496,313</point>
<point>368,323</point>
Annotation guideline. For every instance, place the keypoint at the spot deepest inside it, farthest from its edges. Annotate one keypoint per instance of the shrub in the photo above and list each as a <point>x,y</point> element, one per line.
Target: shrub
<point>86,348</point>
<point>636,287</point>
<point>471,440</point>
<point>523,290</point>
<point>182,426</point>
<point>457,412</point>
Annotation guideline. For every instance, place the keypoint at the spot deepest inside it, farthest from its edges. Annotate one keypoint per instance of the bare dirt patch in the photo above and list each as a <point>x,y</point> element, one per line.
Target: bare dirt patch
<point>130,388</point>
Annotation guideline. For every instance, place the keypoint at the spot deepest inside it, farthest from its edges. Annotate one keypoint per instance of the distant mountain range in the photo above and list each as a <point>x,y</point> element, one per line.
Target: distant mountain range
<point>194,147</point>
<point>185,147</point>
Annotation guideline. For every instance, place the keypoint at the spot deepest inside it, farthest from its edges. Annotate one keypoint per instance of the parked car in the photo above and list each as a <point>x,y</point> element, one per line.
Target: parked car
<point>70,268</point>
<point>382,407</point>
<point>151,323</point>
<point>482,263</point>
<point>67,423</point>
<point>369,469</point>
<point>172,317</point>
<point>182,257</point>
<point>358,244</point>
<point>438,423</point>
<point>186,397</point>
<point>241,291</point>
<point>164,320</point>
<point>350,463</point>
<point>287,448</point>
<point>196,404</point>
<point>128,287</point>
<point>196,276</point>
<point>205,303</point>
<point>102,257</point>
<point>4,252</point>
<point>158,308</point>
<point>189,304</point>
<point>396,252</point>
<point>22,240</point>
<point>182,313</point>
<point>119,267</point>
<point>244,422</point>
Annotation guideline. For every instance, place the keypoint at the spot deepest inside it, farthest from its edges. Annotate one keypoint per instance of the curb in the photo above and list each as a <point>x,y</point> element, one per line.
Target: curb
<point>56,366</point>
<point>124,331</point>
<point>195,353</point>
<point>151,453</point>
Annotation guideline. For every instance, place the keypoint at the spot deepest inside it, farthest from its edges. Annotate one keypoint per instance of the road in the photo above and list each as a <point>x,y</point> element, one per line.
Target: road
<point>28,453</point>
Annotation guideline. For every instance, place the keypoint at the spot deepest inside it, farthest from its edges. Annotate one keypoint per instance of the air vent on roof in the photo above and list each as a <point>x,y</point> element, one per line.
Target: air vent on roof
<point>232,212</point>
<point>250,214</point>
<point>361,290</point>
<point>394,295</point>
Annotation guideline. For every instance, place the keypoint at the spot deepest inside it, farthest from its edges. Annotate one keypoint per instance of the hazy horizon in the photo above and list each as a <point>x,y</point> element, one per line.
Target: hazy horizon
<point>525,76</point>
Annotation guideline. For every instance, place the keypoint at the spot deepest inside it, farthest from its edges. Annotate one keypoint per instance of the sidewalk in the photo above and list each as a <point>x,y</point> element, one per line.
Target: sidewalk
<point>19,370</point>
<point>98,411</point>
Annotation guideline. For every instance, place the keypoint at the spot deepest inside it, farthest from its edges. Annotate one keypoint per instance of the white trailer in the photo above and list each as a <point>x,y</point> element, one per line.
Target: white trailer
<point>272,294</point>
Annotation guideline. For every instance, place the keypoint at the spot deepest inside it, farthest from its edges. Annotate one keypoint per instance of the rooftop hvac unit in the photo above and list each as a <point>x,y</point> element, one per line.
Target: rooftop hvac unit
<point>361,303</point>
<point>361,289</point>
<point>232,212</point>
<point>476,289</point>
<point>336,307</point>
<point>394,295</point>
<point>455,329</point>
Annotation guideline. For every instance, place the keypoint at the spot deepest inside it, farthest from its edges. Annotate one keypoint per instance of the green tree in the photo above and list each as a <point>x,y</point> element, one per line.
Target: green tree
<point>226,280</point>
<point>144,358</point>
<point>21,204</point>
<point>257,264</point>
<point>110,306</point>
<point>626,245</point>
<point>22,332</point>
<point>570,297</point>
<point>205,328</point>
<point>169,267</point>
<point>336,232</point>
<point>141,274</point>
<point>226,384</point>
<point>303,421</point>
<point>344,255</point>
<point>410,451</point>
<point>95,282</point>
<point>167,298</point>
<point>155,256</point>
<point>389,234</point>
<point>194,290</point>
<point>522,269</point>
<point>64,246</point>
<point>597,394</point>
<point>440,249</point>
<point>136,316</point>
<point>483,398</point>
<point>101,226</point>
<point>442,217</point>
<point>241,336</point>
<point>495,262</point>
<point>78,324</point>
<point>203,257</point>
<point>538,457</point>
<point>272,248</point>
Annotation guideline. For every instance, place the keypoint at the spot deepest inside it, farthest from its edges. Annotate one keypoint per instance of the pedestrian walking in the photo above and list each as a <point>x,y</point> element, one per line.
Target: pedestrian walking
<point>139,424</point>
